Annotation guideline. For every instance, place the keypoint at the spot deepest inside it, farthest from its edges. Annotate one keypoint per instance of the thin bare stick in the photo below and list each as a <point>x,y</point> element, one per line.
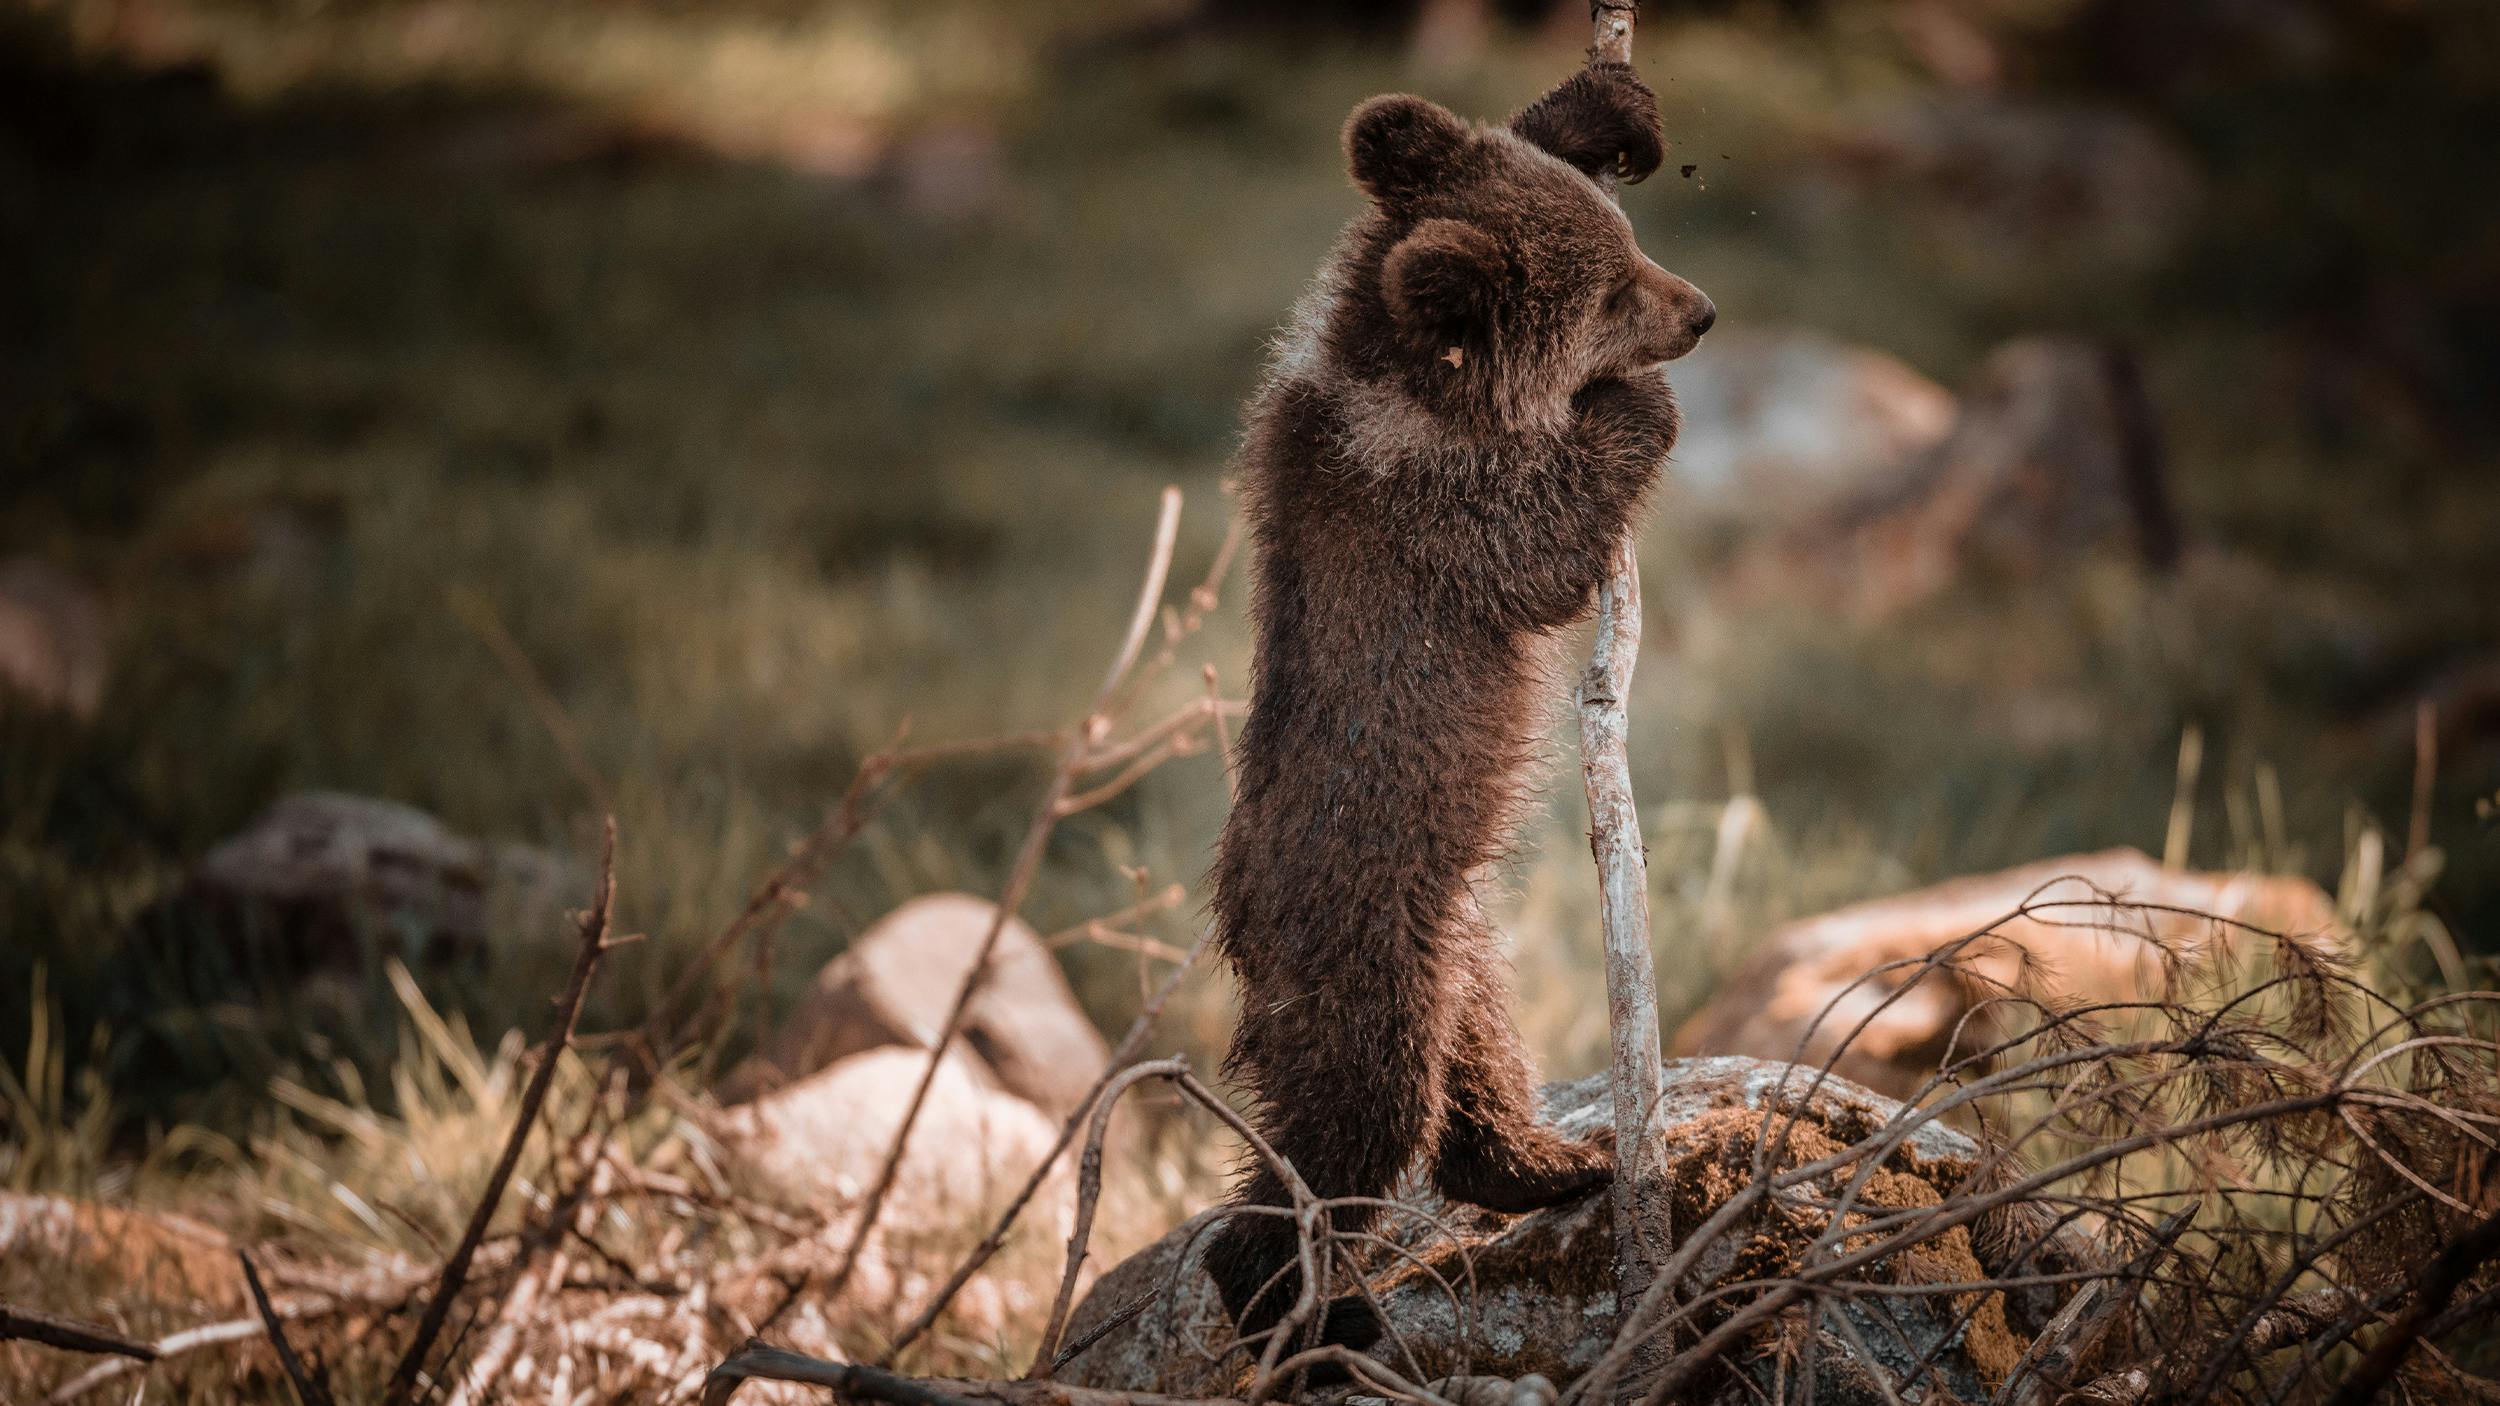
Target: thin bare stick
<point>594,945</point>
<point>1088,1192</point>
<point>1121,1056</point>
<point>1307,1212</point>
<point>1102,936</point>
<point>1112,1322</point>
<point>68,1334</point>
<point>1158,571</point>
<point>390,1292</point>
<point>1162,901</point>
<point>537,1281</point>
<point>1179,744</point>
<point>189,1340</point>
<point>1185,718</point>
<point>1028,861</point>
<point>2077,1329</point>
<point>307,1390</point>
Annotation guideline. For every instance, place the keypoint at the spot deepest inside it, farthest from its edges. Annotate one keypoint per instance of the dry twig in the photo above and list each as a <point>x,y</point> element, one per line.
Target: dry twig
<point>68,1334</point>
<point>594,945</point>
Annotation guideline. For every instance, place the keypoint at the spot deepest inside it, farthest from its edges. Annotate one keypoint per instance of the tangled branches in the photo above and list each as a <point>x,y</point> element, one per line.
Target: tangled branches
<point>2219,1186</point>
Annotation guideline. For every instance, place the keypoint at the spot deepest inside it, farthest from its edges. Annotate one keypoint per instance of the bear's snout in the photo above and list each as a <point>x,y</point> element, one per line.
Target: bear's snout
<point>1677,314</point>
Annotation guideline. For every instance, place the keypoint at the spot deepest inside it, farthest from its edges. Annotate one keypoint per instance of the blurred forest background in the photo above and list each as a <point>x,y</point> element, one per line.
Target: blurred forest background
<point>524,411</point>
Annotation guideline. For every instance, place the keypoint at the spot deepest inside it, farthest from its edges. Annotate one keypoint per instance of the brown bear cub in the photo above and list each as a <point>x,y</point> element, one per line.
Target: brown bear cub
<point>1457,431</point>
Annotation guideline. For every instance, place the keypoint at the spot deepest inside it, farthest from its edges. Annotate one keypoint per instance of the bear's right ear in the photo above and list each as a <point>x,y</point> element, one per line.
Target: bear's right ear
<point>1602,119</point>
<point>1444,280</point>
<point>1400,146</point>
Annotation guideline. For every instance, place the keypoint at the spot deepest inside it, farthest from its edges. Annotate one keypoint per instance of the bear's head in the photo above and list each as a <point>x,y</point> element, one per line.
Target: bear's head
<point>1494,277</point>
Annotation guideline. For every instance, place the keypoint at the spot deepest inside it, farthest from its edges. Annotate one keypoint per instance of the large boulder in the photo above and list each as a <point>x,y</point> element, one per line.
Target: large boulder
<point>1782,426</point>
<point>1543,1298</point>
<point>322,876</point>
<point>2056,456</point>
<point>822,1141</point>
<point>896,984</point>
<point>2098,928</point>
<point>52,646</point>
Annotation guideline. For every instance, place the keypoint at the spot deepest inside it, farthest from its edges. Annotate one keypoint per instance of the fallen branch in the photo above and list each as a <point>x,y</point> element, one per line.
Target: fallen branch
<point>594,945</point>
<point>68,1334</point>
<point>2047,1366</point>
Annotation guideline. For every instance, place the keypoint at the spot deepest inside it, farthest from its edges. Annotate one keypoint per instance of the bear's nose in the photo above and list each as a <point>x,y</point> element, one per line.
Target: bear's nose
<point>1703,319</point>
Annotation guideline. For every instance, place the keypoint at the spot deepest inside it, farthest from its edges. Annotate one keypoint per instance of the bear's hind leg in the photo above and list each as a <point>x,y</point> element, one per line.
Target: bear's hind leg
<point>1493,1152</point>
<point>1346,1097</point>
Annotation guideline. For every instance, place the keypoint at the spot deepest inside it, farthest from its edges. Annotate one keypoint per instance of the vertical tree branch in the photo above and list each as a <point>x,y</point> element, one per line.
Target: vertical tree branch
<point>1612,21</point>
<point>1623,904</point>
<point>1623,867</point>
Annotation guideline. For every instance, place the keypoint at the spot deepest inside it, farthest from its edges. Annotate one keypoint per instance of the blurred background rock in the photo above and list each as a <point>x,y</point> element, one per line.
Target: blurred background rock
<point>508,412</point>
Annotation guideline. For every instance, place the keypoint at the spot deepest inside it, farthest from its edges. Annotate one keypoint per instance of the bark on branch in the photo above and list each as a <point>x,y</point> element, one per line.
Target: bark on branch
<point>1622,863</point>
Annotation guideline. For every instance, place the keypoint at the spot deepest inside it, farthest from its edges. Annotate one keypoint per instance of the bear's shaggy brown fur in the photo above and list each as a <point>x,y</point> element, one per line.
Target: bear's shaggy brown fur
<point>1456,433</point>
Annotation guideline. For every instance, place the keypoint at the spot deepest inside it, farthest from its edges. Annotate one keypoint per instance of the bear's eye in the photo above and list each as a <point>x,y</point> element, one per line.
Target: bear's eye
<point>1620,300</point>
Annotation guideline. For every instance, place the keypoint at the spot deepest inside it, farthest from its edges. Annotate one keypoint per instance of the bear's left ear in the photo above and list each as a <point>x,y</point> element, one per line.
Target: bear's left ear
<point>1602,119</point>
<point>1444,279</point>
<point>1400,147</point>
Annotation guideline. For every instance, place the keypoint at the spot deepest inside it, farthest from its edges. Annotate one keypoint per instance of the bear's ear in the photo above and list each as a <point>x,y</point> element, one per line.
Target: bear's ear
<point>1444,279</point>
<point>1602,119</point>
<point>1399,146</point>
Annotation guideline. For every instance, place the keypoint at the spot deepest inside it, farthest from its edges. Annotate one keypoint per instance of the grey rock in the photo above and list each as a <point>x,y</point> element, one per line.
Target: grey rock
<point>322,874</point>
<point>1543,1300</point>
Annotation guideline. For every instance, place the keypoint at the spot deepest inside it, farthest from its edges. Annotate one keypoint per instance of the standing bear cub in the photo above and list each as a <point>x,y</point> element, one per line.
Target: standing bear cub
<point>1456,433</point>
